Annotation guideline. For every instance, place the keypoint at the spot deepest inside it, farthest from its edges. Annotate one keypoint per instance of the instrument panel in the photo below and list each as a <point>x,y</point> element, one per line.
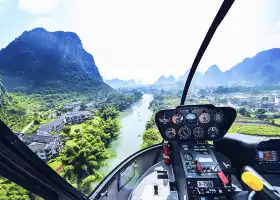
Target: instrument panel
<point>195,122</point>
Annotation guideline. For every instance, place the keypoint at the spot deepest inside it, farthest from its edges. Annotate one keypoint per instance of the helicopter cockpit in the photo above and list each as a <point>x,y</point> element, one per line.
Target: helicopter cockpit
<point>196,160</point>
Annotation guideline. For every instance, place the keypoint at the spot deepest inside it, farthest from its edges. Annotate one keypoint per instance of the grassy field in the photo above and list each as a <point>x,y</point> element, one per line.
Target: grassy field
<point>54,165</point>
<point>172,101</point>
<point>264,130</point>
<point>70,143</point>
<point>277,121</point>
<point>241,118</point>
<point>77,126</point>
<point>234,128</point>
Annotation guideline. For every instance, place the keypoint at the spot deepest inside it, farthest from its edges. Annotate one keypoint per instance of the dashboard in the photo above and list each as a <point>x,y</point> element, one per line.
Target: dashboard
<point>195,122</point>
<point>262,153</point>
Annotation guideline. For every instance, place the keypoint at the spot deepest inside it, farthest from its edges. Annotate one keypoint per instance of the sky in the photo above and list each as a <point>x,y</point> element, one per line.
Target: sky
<point>144,39</point>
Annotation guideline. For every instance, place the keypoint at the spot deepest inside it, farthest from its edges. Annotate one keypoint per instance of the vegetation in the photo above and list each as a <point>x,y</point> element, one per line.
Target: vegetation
<point>85,148</point>
<point>122,102</point>
<point>85,144</point>
<point>151,135</point>
<point>257,129</point>
<point>11,191</point>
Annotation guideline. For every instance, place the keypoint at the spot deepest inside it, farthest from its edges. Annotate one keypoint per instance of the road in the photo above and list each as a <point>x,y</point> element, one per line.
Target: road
<point>27,127</point>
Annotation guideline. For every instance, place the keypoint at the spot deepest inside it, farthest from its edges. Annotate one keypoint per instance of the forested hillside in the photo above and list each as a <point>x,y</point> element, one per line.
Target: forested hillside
<point>51,62</point>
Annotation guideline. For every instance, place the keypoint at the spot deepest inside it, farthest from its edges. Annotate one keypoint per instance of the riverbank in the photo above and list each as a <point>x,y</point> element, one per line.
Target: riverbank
<point>133,122</point>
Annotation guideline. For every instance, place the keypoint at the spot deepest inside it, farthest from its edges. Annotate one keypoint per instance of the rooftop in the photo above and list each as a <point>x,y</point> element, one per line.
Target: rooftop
<point>51,124</point>
<point>40,137</point>
<point>77,113</point>
<point>36,146</point>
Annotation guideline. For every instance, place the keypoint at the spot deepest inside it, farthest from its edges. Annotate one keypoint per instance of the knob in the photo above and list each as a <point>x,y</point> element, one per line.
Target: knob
<point>214,168</point>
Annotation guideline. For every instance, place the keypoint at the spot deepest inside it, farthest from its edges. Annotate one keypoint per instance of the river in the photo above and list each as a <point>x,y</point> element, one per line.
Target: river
<point>133,123</point>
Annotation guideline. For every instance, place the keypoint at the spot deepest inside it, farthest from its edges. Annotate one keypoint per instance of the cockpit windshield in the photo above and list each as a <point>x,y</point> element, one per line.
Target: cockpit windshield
<point>81,81</point>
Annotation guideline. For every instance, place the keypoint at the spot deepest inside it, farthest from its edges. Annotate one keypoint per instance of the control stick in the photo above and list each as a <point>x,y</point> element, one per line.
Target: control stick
<point>257,183</point>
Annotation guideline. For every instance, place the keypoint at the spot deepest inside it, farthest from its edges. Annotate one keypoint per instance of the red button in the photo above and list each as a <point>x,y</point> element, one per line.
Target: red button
<point>223,178</point>
<point>198,168</point>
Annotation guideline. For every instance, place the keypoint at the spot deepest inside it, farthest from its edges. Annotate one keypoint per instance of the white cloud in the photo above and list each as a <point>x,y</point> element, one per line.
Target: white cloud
<point>145,39</point>
<point>37,6</point>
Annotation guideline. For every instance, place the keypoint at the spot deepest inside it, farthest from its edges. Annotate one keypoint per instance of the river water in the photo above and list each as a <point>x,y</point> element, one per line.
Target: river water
<point>133,123</point>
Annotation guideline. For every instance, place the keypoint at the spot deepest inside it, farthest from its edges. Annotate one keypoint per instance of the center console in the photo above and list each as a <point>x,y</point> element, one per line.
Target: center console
<point>204,177</point>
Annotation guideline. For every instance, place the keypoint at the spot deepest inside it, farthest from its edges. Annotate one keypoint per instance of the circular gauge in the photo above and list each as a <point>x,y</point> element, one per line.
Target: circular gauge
<point>204,118</point>
<point>191,116</point>
<point>164,119</point>
<point>213,131</point>
<point>184,132</point>
<point>170,133</point>
<point>218,117</point>
<point>188,156</point>
<point>198,133</point>
<point>177,118</point>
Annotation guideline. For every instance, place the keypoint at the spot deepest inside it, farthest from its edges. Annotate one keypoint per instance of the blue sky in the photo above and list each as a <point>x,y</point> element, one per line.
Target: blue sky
<point>144,39</point>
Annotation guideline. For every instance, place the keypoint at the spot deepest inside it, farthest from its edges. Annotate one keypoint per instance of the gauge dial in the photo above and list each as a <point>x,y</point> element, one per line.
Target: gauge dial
<point>177,118</point>
<point>198,133</point>
<point>204,118</point>
<point>218,117</point>
<point>188,156</point>
<point>164,119</point>
<point>184,132</point>
<point>170,133</point>
<point>213,132</point>
<point>191,117</point>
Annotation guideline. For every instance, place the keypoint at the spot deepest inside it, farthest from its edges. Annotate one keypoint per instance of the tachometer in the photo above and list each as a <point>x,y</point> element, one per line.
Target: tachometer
<point>218,117</point>
<point>177,118</point>
<point>213,132</point>
<point>164,119</point>
<point>170,133</point>
<point>204,118</point>
<point>184,132</point>
<point>198,133</point>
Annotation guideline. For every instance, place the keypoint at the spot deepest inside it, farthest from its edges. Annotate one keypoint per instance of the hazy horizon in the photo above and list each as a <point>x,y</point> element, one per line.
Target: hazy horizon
<point>146,39</point>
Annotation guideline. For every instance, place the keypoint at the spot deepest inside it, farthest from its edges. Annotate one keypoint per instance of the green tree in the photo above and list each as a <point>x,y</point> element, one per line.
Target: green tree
<point>83,106</point>
<point>66,129</point>
<point>108,112</point>
<point>151,137</point>
<point>243,111</point>
<point>260,111</point>
<point>12,191</point>
<point>37,121</point>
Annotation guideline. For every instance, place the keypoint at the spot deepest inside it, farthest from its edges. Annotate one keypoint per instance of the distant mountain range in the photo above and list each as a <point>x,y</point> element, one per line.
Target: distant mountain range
<point>117,83</point>
<point>165,80</point>
<point>263,68</point>
<point>39,58</point>
<point>42,59</point>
